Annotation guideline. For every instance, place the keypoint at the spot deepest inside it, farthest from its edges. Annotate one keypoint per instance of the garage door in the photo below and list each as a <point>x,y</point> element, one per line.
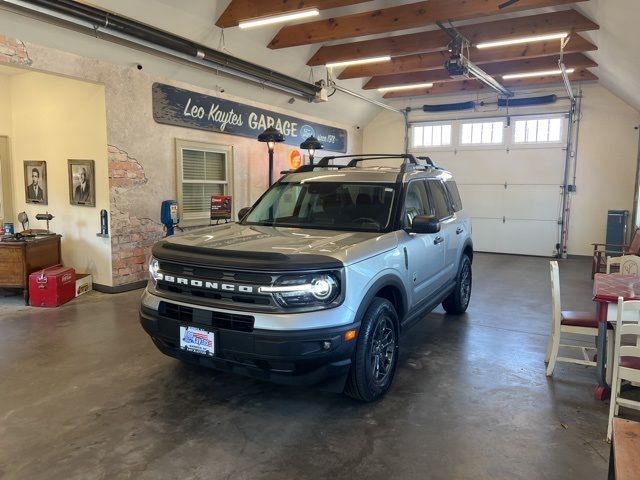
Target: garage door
<point>510,177</point>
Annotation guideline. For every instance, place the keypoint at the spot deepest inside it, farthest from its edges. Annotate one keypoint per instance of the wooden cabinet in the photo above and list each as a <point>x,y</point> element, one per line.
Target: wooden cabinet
<point>19,259</point>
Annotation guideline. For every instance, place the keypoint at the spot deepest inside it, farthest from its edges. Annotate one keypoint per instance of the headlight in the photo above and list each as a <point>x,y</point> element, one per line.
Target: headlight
<point>304,290</point>
<point>154,266</point>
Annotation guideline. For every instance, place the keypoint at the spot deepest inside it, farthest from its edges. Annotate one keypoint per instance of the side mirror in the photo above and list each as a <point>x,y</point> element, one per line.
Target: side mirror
<point>243,213</point>
<point>425,224</point>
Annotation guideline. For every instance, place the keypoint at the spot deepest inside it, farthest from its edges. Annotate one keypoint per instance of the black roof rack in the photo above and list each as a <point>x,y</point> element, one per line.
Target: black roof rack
<point>410,163</point>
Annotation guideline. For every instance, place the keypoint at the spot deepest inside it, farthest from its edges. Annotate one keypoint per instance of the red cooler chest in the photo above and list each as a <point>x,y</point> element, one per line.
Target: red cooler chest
<point>52,286</point>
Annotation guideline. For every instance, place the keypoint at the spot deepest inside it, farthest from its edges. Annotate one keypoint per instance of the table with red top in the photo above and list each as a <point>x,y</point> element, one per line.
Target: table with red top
<point>606,289</point>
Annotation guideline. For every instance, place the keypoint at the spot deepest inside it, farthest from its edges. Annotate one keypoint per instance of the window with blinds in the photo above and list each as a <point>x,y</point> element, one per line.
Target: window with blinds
<point>203,172</point>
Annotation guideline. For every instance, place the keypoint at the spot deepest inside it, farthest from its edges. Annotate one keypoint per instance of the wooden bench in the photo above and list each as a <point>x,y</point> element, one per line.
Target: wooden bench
<point>624,461</point>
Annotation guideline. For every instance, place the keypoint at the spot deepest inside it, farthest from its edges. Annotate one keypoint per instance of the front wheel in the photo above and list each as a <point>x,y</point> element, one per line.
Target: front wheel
<point>458,300</point>
<point>376,355</point>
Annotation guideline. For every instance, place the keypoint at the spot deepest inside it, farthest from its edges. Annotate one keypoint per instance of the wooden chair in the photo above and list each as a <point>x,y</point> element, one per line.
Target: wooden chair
<point>626,360</point>
<point>627,264</point>
<point>575,322</point>
<point>602,250</point>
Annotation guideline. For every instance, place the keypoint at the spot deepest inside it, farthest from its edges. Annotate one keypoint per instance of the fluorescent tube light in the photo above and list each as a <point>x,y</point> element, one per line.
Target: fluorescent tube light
<point>406,87</point>
<point>521,40</point>
<point>543,73</point>
<point>360,61</point>
<point>259,22</point>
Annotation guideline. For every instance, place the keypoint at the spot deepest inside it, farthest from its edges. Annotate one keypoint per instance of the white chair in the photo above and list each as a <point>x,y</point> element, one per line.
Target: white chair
<point>626,360</point>
<point>627,264</point>
<point>575,322</point>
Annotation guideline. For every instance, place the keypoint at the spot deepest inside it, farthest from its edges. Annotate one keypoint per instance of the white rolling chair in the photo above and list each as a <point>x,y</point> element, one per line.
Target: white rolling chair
<point>575,322</point>
<point>627,264</point>
<point>626,360</point>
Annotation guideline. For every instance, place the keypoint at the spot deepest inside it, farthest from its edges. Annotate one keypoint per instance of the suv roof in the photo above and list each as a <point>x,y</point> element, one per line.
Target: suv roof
<point>356,170</point>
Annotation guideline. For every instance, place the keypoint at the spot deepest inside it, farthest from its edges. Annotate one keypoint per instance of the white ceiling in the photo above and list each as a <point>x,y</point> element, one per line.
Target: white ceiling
<point>195,19</point>
<point>618,40</point>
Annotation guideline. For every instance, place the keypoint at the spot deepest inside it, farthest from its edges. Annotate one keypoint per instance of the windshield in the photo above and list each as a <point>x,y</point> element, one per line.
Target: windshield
<point>326,205</point>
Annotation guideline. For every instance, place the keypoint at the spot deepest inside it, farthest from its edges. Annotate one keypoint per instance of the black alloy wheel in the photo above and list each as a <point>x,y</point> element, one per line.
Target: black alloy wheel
<point>375,359</point>
<point>458,301</point>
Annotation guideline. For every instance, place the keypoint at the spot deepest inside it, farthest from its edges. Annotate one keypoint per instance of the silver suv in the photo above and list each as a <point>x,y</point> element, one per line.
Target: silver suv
<point>316,282</point>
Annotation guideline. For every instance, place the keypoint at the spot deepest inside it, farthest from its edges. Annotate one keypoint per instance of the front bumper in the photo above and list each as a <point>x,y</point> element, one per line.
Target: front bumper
<point>297,357</point>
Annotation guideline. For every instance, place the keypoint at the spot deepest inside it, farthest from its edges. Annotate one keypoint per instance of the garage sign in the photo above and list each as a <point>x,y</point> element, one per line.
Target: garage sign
<point>184,108</point>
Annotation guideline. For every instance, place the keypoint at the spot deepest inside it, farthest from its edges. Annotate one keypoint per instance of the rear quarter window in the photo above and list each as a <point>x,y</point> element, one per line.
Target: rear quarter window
<point>454,195</point>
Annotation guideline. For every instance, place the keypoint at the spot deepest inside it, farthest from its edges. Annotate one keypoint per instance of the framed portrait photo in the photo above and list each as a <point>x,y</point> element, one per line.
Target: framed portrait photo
<point>82,183</point>
<point>35,181</point>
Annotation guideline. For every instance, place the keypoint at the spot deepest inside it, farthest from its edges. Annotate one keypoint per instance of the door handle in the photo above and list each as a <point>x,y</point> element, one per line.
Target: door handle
<point>459,230</point>
<point>438,240</point>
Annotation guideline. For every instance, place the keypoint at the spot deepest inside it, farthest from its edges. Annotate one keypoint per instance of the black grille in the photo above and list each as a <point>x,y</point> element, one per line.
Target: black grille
<point>214,295</point>
<point>198,316</point>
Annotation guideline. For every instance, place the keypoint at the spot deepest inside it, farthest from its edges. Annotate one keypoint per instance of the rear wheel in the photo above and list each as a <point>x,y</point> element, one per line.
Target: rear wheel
<point>376,356</point>
<point>458,300</point>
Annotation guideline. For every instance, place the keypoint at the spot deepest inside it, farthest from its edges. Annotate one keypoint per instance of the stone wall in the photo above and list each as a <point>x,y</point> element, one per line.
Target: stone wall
<point>131,237</point>
<point>13,52</point>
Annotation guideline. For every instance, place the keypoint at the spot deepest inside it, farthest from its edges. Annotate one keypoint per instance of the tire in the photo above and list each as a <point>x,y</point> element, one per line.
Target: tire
<point>458,300</point>
<point>375,359</point>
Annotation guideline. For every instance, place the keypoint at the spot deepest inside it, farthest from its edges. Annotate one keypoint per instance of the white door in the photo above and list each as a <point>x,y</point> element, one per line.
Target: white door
<point>512,191</point>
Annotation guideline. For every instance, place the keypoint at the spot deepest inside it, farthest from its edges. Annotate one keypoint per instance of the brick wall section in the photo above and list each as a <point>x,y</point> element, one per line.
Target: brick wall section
<point>131,237</point>
<point>13,51</point>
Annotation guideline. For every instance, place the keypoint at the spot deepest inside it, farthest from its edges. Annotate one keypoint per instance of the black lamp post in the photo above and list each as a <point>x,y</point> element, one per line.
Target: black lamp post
<point>311,144</point>
<point>270,136</point>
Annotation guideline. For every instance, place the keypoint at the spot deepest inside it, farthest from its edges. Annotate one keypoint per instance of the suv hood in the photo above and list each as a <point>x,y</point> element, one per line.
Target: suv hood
<point>347,247</point>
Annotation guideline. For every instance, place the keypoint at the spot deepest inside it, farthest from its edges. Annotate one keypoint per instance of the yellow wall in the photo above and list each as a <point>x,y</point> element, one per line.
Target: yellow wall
<point>5,106</point>
<point>55,119</point>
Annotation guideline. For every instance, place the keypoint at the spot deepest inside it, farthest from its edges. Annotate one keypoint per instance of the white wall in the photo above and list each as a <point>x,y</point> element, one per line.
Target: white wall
<point>606,166</point>
<point>606,160</point>
<point>56,119</point>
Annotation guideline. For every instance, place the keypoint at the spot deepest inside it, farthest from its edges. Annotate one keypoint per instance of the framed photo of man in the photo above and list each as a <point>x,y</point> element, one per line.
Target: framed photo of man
<point>82,183</point>
<point>35,181</point>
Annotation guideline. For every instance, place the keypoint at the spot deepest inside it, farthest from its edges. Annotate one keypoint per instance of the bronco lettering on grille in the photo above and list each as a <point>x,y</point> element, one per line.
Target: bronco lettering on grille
<point>193,282</point>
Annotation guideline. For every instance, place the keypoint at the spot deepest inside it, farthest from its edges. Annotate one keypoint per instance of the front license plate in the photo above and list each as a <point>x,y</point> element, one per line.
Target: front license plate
<point>197,340</point>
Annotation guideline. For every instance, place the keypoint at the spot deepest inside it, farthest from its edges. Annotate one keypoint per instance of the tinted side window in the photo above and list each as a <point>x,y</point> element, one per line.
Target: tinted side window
<point>416,202</point>
<point>439,198</point>
<point>454,195</point>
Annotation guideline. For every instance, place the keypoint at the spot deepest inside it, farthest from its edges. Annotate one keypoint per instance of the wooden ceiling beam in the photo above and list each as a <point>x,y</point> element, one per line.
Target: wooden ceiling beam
<point>437,40</point>
<point>575,60</point>
<point>435,60</point>
<point>239,10</point>
<point>400,17</point>
<point>461,86</point>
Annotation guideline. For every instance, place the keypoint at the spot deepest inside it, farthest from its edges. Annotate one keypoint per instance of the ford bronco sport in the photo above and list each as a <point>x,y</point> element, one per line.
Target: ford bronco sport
<point>318,279</point>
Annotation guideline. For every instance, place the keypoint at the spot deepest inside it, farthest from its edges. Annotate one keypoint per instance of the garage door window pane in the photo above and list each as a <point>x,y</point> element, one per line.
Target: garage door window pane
<point>485,133</point>
<point>437,135</point>
<point>417,136</point>
<point>446,134</point>
<point>466,133</point>
<point>542,130</point>
<point>555,130</point>
<point>431,135</point>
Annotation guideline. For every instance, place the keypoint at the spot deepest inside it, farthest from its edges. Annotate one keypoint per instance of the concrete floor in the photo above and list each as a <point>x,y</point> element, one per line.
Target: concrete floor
<point>85,395</point>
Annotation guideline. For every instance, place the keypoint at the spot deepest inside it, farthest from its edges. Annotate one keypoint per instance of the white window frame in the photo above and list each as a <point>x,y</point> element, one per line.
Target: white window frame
<point>563,131</point>
<point>423,148</point>
<point>473,145</point>
<point>201,218</point>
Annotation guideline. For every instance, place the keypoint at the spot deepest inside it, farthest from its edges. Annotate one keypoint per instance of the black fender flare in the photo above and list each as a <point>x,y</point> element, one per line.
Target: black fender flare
<point>468,243</point>
<point>384,281</point>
